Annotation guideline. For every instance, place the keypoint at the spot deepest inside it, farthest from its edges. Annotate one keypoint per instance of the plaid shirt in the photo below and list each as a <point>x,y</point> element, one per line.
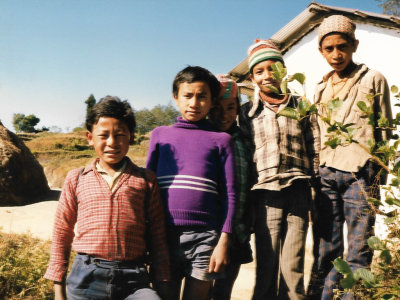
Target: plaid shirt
<point>109,224</point>
<point>241,170</point>
<point>283,149</point>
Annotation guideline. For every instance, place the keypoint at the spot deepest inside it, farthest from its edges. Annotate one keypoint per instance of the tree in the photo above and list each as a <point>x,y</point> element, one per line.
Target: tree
<point>390,7</point>
<point>90,102</point>
<point>147,120</point>
<point>24,123</point>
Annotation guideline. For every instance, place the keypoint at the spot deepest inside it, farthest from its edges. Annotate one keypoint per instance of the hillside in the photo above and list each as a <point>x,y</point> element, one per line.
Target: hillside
<point>59,153</point>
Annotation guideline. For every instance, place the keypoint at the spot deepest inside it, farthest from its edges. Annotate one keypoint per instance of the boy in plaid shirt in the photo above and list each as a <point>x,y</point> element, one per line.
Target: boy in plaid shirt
<point>285,155</point>
<point>106,202</point>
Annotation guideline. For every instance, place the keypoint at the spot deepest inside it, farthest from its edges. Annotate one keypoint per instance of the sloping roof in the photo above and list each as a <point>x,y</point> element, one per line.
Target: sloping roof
<point>301,25</point>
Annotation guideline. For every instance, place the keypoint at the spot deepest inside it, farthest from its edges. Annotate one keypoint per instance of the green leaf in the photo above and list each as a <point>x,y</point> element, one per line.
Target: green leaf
<point>390,220</point>
<point>374,201</point>
<point>389,297</point>
<point>273,88</point>
<point>283,86</point>
<point>290,113</point>
<point>385,255</point>
<point>300,77</point>
<point>366,276</point>
<point>394,89</point>
<point>333,143</point>
<point>375,243</point>
<point>334,104</point>
<point>348,282</point>
<point>363,106</point>
<point>342,266</point>
<point>278,71</point>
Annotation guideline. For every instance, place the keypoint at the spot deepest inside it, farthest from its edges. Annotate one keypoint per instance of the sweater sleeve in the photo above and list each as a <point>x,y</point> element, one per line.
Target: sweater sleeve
<point>153,153</point>
<point>228,180</point>
<point>63,231</point>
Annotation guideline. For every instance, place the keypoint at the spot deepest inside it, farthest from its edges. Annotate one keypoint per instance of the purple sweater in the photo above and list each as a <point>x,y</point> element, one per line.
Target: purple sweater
<point>196,171</point>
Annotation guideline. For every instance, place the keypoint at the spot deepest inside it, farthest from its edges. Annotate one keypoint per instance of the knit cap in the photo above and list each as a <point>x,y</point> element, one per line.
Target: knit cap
<point>229,88</point>
<point>336,23</point>
<point>262,50</point>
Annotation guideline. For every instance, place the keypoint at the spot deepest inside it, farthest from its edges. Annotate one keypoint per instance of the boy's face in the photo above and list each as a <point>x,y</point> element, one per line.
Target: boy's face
<point>338,51</point>
<point>262,76</point>
<point>110,138</point>
<point>193,100</point>
<point>224,114</point>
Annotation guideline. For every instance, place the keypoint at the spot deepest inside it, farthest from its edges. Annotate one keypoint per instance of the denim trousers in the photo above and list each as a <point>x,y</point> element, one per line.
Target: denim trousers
<point>280,237</point>
<point>343,199</point>
<point>99,279</point>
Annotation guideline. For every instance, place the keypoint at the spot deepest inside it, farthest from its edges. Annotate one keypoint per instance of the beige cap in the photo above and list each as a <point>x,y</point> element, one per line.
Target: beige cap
<point>336,23</point>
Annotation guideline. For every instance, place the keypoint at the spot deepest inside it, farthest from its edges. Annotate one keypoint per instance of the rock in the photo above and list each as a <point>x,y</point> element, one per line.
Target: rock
<point>22,180</point>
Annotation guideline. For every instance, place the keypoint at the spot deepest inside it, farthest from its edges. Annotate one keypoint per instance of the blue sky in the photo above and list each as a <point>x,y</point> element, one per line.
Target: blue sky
<point>55,53</point>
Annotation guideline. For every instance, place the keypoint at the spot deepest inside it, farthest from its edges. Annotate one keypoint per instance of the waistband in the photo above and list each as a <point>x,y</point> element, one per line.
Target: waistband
<point>104,263</point>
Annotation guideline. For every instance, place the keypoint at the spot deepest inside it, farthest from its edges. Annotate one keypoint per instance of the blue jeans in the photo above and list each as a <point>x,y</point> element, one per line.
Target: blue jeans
<point>343,198</point>
<point>93,278</point>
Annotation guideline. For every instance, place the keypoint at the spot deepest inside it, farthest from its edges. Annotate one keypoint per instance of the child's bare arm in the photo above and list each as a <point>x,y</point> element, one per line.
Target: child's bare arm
<point>220,258</point>
<point>59,291</point>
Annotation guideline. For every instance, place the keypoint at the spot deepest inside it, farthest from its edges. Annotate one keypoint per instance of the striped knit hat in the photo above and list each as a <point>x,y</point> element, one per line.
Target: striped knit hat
<point>262,50</point>
<point>336,23</point>
<point>229,88</point>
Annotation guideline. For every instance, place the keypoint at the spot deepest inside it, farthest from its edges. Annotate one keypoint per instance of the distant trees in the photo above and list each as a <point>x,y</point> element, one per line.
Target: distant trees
<point>147,120</point>
<point>90,102</point>
<point>390,7</point>
<point>24,123</point>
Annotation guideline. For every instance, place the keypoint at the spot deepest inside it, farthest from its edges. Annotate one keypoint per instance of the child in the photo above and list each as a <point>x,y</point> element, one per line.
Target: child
<point>195,169</point>
<point>346,172</point>
<point>285,153</point>
<point>106,201</point>
<point>223,117</point>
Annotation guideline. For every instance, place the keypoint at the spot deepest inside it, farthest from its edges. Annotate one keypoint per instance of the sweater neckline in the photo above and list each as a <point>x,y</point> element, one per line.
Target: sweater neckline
<point>202,124</point>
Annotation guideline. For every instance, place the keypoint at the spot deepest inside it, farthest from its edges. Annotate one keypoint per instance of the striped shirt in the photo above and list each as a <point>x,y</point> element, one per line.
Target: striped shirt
<point>109,224</point>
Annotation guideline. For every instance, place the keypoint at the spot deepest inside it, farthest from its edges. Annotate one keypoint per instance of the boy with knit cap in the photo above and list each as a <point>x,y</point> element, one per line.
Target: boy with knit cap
<point>196,171</point>
<point>347,172</point>
<point>223,117</point>
<point>285,156</point>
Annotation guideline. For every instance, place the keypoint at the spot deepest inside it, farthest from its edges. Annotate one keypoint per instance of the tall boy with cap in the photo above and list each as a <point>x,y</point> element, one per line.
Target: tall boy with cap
<point>347,172</point>
<point>284,153</point>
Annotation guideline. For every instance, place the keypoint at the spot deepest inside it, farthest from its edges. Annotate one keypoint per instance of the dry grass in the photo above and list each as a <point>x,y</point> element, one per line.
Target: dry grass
<point>23,261</point>
<point>59,153</point>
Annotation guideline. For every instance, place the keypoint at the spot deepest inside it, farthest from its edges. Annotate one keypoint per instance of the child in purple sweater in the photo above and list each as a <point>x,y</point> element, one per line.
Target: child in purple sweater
<point>195,169</point>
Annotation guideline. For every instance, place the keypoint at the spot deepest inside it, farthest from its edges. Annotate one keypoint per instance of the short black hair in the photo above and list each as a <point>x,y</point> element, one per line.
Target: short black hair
<point>112,107</point>
<point>192,74</point>
<point>343,35</point>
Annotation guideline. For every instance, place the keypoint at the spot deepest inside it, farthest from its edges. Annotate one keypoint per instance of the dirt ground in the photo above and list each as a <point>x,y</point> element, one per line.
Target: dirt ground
<point>38,220</point>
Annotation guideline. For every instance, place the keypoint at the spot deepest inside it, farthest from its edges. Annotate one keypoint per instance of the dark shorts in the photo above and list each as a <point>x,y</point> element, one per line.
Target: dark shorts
<point>190,252</point>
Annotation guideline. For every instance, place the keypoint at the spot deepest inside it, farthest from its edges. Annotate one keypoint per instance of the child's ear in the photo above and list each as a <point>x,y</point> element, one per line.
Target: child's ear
<point>252,78</point>
<point>89,137</point>
<point>356,42</point>
<point>132,139</point>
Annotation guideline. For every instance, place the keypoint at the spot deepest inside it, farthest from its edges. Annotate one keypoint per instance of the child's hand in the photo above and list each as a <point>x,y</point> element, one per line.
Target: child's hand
<point>219,258</point>
<point>59,291</point>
